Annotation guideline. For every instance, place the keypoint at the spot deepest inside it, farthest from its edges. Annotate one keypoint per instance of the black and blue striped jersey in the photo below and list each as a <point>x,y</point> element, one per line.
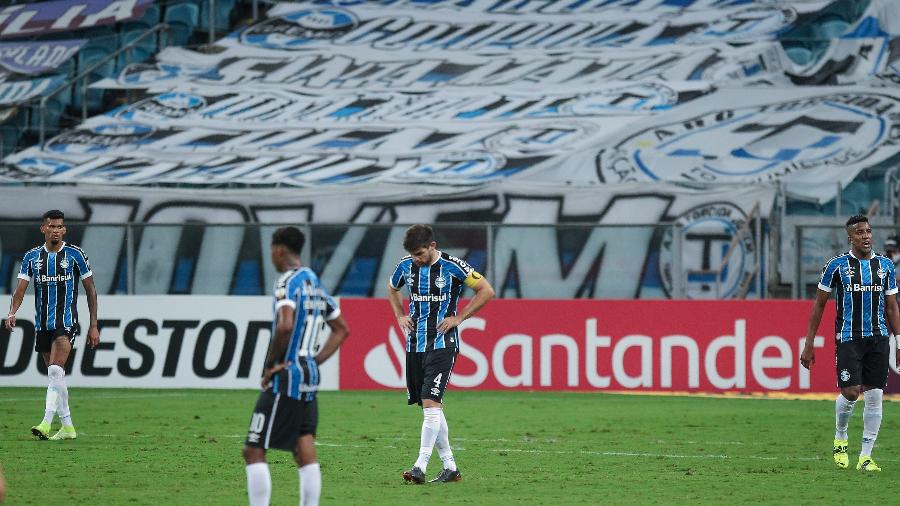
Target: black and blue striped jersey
<point>56,277</point>
<point>433,295</point>
<point>313,306</point>
<point>860,287</point>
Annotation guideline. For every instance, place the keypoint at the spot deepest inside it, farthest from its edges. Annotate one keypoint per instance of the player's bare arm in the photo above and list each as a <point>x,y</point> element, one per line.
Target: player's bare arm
<point>893,317</point>
<point>396,300</point>
<point>93,334</point>
<point>283,328</point>
<point>483,293</point>
<point>339,332</point>
<point>17,298</point>
<point>808,356</point>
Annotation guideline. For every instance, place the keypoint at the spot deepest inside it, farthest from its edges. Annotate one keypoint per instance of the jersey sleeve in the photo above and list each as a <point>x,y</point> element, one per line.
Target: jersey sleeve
<point>398,278</point>
<point>26,272</point>
<point>283,291</point>
<point>332,310</point>
<point>891,279</point>
<point>84,265</point>
<point>830,276</point>
<point>461,270</point>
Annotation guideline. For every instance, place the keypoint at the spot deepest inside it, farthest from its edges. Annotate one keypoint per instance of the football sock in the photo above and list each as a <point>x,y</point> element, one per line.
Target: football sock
<point>843,410</point>
<point>443,445</point>
<point>431,425</point>
<point>310,484</point>
<point>62,400</point>
<point>871,419</point>
<point>54,373</point>
<point>259,484</point>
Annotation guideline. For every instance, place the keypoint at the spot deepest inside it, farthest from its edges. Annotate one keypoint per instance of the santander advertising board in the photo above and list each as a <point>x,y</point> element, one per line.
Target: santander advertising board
<point>589,345</point>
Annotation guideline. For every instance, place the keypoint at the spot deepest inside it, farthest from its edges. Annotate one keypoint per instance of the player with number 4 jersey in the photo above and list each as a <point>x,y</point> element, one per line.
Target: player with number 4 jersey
<point>434,281</point>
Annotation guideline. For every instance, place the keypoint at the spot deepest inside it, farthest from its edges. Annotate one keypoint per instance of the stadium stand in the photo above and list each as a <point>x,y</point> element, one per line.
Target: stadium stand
<point>811,49</point>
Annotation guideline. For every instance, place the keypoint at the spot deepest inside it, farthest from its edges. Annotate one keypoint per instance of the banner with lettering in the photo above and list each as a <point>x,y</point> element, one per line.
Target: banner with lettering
<point>38,18</point>
<point>630,254</point>
<point>37,57</point>
<point>816,136</point>
<point>17,91</point>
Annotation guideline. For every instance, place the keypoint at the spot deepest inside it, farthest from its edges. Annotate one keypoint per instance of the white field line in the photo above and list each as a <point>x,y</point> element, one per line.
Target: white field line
<point>546,452</point>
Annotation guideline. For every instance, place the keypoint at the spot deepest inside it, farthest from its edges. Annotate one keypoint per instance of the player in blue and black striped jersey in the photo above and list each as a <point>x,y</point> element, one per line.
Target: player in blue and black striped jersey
<point>865,291</point>
<point>56,268</point>
<point>286,413</point>
<point>434,281</point>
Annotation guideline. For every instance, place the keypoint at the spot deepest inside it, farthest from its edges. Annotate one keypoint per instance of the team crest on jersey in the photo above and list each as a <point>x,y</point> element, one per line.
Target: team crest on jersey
<point>881,274</point>
<point>440,282</point>
<point>849,271</point>
<point>64,263</point>
<point>38,264</point>
<point>409,280</point>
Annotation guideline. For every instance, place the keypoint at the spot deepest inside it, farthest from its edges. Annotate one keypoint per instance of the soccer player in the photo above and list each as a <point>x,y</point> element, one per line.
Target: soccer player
<point>434,280</point>
<point>865,293</point>
<point>56,268</point>
<point>286,412</point>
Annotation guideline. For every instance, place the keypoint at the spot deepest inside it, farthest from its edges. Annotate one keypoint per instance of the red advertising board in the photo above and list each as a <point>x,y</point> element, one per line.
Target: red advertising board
<point>589,345</point>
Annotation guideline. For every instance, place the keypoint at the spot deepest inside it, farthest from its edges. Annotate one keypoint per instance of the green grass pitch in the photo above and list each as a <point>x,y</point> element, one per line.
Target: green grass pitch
<point>184,447</point>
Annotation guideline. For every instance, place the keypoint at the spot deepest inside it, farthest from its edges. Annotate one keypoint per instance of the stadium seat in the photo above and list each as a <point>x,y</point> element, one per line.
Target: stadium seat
<point>222,17</point>
<point>9,138</point>
<point>87,58</point>
<point>181,18</point>
<point>831,26</point>
<point>140,52</point>
<point>798,52</point>
<point>145,22</point>
<point>52,114</point>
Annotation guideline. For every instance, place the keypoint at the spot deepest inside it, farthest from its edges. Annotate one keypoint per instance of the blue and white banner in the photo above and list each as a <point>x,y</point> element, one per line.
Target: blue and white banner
<point>22,90</point>
<point>815,136</point>
<point>37,57</point>
<point>286,108</point>
<point>303,27</point>
<point>242,68</point>
<point>531,7</point>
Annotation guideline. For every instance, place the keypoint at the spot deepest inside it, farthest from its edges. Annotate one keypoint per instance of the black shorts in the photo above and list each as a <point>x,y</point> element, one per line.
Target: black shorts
<point>43,339</point>
<point>278,421</point>
<point>428,373</point>
<point>863,362</point>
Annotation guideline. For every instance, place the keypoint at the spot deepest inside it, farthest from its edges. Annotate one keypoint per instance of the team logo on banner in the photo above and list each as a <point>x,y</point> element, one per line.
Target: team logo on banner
<point>758,144</point>
<point>708,231</point>
<point>34,168</point>
<point>171,105</point>
<point>100,138</point>
<point>297,29</point>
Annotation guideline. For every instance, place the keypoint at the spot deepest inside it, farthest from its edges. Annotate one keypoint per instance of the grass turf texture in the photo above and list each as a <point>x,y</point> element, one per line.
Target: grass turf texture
<point>183,447</point>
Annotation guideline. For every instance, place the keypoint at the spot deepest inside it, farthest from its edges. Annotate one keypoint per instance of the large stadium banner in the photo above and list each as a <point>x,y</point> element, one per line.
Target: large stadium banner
<point>812,136</point>
<point>637,346</point>
<point>30,19</point>
<point>608,261</point>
